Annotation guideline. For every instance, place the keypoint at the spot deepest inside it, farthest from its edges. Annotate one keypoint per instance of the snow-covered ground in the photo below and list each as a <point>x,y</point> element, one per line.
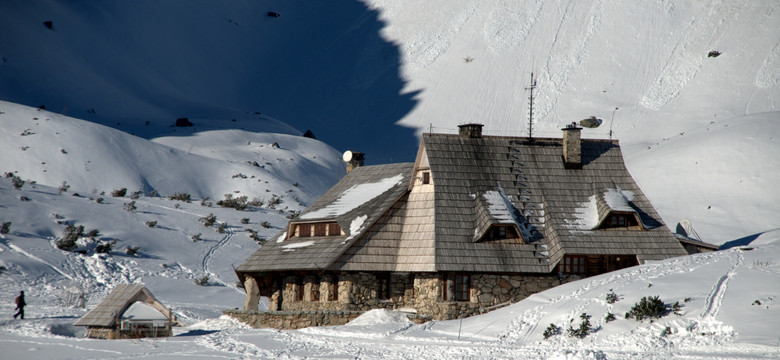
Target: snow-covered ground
<point>699,134</point>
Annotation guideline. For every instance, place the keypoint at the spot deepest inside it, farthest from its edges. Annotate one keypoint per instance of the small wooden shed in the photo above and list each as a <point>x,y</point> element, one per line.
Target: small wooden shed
<point>130,311</point>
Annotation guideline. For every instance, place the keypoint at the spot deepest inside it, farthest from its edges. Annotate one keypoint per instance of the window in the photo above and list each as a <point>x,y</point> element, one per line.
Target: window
<point>320,229</point>
<point>304,230</point>
<point>299,289</point>
<point>617,220</point>
<point>334,289</point>
<point>462,286</point>
<point>383,283</point>
<point>499,232</point>
<point>315,290</point>
<point>426,177</point>
<point>334,229</point>
<point>574,264</point>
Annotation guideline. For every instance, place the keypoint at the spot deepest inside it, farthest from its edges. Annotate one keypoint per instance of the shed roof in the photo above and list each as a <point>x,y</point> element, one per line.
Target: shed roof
<point>115,304</point>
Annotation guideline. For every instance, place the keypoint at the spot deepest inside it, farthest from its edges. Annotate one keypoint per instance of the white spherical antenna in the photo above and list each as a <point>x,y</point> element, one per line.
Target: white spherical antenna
<point>347,156</point>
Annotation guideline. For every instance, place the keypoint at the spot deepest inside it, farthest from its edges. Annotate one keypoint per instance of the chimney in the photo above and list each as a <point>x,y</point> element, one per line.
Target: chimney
<point>470,131</point>
<point>357,160</point>
<point>572,145</point>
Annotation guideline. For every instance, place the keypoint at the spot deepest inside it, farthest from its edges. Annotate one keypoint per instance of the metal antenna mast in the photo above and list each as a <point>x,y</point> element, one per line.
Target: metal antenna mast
<point>531,106</point>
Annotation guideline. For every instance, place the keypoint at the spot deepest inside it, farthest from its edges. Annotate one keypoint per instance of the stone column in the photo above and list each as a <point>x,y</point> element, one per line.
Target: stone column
<point>252,293</point>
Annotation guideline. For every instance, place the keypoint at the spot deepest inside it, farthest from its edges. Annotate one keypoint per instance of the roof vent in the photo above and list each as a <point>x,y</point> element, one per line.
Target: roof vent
<point>572,144</point>
<point>470,131</point>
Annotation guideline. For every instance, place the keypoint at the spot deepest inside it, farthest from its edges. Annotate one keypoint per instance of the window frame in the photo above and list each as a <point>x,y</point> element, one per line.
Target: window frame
<point>574,264</point>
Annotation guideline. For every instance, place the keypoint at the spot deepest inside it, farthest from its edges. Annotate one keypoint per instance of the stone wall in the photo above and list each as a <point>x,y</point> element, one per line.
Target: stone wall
<point>101,333</point>
<point>287,320</point>
<point>360,291</point>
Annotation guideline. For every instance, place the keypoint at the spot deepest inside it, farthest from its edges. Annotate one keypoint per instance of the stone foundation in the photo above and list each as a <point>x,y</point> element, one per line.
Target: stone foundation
<point>287,320</point>
<point>331,296</point>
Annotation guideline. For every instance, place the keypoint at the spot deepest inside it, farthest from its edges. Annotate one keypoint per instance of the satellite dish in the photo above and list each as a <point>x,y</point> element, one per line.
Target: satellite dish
<point>347,156</point>
<point>591,122</point>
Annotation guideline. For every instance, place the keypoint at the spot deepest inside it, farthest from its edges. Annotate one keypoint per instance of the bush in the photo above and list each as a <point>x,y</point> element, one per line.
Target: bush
<point>583,330</point>
<point>245,221</point>
<point>609,317</point>
<point>196,237</point>
<point>93,233</point>
<point>202,281</point>
<point>667,331</point>
<point>6,228</point>
<point>551,330</point>
<point>221,228</point>
<point>130,206</point>
<point>239,203</point>
<point>151,224</point>
<point>611,297</point>
<point>70,235</point>
<point>648,307</point>
<point>136,195</point>
<point>713,53</point>
<point>275,200</point>
<point>180,197</point>
<point>63,188</point>
<point>209,220</point>
<point>206,202</point>
<point>105,247</point>
<point>132,251</point>
<point>99,200</point>
<point>253,235</point>
<point>17,182</point>
<point>119,192</point>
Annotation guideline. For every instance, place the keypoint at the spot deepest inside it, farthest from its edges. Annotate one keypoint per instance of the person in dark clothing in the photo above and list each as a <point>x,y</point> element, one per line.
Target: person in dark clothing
<point>20,305</point>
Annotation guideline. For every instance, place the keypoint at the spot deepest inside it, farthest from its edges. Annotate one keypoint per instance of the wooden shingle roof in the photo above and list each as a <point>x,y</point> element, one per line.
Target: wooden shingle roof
<point>355,202</point>
<point>114,305</point>
<point>477,183</point>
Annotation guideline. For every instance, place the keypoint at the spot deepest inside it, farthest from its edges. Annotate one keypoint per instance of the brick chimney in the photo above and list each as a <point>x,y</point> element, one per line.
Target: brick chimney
<point>357,160</point>
<point>572,146</point>
<point>470,131</point>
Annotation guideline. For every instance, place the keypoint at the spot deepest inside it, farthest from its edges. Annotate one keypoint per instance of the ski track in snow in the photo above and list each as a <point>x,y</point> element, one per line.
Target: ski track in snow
<point>689,52</point>
<point>31,256</point>
<point>228,235</point>
<point>715,298</point>
<point>524,325</point>
<point>567,53</point>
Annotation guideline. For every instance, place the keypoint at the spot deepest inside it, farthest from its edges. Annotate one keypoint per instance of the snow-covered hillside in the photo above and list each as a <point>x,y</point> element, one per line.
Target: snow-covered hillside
<point>366,75</point>
<point>699,134</point>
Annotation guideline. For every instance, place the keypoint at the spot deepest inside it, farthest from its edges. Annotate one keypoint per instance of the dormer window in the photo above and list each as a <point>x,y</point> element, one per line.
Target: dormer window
<point>426,177</point>
<point>620,220</point>
<point>318,229</point>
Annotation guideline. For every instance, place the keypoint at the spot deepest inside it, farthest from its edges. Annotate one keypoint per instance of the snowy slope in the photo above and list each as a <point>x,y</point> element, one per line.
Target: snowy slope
<point>365,75</point>
<point>52,149</point>
<point>699,134</point>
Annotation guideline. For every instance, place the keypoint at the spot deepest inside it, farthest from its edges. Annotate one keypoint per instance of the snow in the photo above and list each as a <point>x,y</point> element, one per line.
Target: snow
<point>355,227</point>
<point>619,200</point>
<point>586,215</point>
<point>354,197</point>
<point>140,310</point>
<point>379,316</point>
<point>699,135</point>
<point>292,247</point>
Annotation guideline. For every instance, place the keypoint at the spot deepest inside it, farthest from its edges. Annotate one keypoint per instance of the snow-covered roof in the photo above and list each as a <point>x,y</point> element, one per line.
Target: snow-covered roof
<point>478,183</point>
<point>355,202</point>
<point>140,310</point>
<point>116,305</point>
